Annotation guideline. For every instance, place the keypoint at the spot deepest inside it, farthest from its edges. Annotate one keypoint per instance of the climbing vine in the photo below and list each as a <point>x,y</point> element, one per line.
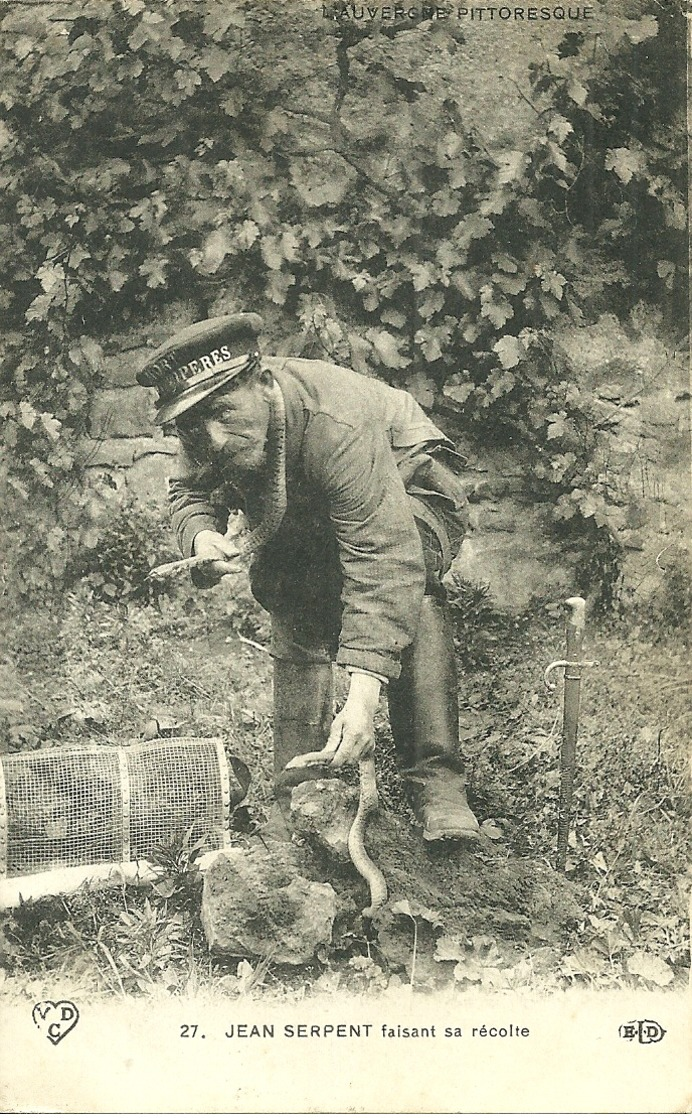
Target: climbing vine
<point>227,155</point>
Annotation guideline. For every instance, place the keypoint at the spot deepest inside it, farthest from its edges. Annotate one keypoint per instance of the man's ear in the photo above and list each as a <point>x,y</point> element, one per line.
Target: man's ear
<point>265,381</point>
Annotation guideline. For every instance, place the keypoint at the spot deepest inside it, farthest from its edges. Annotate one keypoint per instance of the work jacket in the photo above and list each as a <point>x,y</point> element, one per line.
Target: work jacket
<point>348,538</point>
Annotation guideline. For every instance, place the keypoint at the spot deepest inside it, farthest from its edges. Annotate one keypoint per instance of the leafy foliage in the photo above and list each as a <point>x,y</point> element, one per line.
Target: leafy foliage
<point>131,544</point>
<point>149,150</point>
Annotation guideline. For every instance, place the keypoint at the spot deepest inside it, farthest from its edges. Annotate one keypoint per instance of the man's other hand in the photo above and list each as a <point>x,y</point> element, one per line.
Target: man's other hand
<point>352,734</point>
<point>224,552</point>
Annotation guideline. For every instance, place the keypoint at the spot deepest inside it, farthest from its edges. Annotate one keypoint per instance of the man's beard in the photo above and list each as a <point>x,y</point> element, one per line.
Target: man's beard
<point>245,464</point>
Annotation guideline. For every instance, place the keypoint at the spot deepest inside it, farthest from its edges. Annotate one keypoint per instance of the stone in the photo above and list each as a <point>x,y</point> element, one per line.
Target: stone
<point>515,566</point>
<point>147,478</point>
<point>323,811</point>
<point>120,369</point>
<point>123,452</point>
<point>256,903</point>
<point>120,412</point>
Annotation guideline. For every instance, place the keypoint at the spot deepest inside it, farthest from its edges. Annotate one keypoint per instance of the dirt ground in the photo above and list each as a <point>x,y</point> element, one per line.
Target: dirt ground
<point>492,916</point>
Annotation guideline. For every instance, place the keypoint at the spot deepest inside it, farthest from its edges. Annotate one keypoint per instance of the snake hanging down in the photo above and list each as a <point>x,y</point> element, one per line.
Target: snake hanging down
<point>367,804</point>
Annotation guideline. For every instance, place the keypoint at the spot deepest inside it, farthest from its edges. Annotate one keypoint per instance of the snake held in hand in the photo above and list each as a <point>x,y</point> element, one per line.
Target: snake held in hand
<point>367,804</point>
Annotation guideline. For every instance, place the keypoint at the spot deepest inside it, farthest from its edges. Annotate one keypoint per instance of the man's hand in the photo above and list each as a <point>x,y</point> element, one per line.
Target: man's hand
<point>352,734</point>
<point>212,545</point>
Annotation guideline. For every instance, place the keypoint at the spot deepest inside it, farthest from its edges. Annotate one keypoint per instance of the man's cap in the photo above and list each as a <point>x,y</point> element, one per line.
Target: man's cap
<point>199,360</point>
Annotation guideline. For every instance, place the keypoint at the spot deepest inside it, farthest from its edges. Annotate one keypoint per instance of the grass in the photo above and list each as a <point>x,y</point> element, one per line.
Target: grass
<point>197,664</point>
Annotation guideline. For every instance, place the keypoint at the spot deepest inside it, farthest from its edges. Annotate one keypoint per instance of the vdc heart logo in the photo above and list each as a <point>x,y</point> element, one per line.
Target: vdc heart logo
<point>55,1019</point>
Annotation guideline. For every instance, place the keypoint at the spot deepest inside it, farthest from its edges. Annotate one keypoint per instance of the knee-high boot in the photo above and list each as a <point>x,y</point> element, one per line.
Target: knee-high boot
<point>303,713</point>
<point>424,717</point>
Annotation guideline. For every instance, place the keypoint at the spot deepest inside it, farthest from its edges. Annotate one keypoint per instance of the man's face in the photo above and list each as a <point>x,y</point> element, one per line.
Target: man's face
<point>230,427</point>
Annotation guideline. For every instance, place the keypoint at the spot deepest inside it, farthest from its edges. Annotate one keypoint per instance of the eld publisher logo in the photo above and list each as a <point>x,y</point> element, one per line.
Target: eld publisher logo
<point>55,1019</point>
<point>646,1032</point>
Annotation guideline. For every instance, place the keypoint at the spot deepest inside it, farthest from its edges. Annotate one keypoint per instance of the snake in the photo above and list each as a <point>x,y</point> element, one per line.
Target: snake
<point>367,803</point>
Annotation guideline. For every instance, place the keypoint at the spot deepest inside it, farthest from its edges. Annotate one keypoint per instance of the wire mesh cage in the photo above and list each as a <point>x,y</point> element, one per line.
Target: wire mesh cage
<point>89,806</point>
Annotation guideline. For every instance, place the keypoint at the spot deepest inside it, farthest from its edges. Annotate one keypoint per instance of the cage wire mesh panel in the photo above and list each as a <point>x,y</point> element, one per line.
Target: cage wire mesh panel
<point>84,806</point>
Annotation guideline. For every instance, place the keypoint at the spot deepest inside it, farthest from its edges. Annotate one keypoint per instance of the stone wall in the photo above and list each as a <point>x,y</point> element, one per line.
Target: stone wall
<point>126,450</point>
<point>643,392</point>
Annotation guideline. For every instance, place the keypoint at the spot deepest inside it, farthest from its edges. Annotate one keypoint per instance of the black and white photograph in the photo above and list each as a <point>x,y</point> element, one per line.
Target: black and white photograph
<point>345,585</point>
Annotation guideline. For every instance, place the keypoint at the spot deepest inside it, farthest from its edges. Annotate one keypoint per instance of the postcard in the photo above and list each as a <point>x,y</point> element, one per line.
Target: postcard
<point>344,696</point>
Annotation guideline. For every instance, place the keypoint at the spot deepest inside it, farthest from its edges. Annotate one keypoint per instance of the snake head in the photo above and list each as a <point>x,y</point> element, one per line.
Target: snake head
<point>305,760</point>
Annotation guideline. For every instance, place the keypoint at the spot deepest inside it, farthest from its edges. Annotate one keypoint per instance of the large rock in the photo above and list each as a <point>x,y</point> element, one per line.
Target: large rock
<point>256,903</point>
<point>323,811</point>
<point>120,369</point>
<point>123,412</point>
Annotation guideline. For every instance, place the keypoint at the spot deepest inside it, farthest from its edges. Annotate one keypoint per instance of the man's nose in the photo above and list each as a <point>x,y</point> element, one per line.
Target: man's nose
<point>216,434</point>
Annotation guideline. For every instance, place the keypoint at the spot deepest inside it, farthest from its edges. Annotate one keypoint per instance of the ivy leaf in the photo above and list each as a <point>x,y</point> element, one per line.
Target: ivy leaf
<point>423,276</point>
<point>560,127</point>
<point>458,393</point>
<point>497,310</point>
<point>277,287</point>
<point>155,271</point>
<point>432,302</point>
<point>87,352</point>
<point>38,308</point>
<point>117,279</point>
<point>247,234</point>
<point>577,92</point>
<point>650,967</point>
<point>51,277</point>
<point>23,47</point>
<point>625,162</point>
<point>221,17</point>
<point>217,247</point>
<point>445,202</point>
<point>234,104</point>
<point>666,271</point>
<point>557,428</point>
<point>510,350</point>
<point>553,283</point>
<point>217,63</point>
<point>557,156</point>
<point>393,317</point>
<point>187,81</point>
<point>27,415</point>
<point>54,539</point>
<point>290,245</point>
<point>361,351</point>
<point>272,252</point>
<point>386,347</point>
<point>51,425</point>
<point>422,388</point>
<point>472,228</point>
<point>511,165</point>
<point>510,285</point>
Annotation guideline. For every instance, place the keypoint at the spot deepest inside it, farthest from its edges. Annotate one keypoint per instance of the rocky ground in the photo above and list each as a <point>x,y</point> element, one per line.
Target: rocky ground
<point>286,916</point>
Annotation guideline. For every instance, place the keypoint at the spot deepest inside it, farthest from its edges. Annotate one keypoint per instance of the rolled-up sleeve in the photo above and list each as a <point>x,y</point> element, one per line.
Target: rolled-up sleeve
<point>380,551</point>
